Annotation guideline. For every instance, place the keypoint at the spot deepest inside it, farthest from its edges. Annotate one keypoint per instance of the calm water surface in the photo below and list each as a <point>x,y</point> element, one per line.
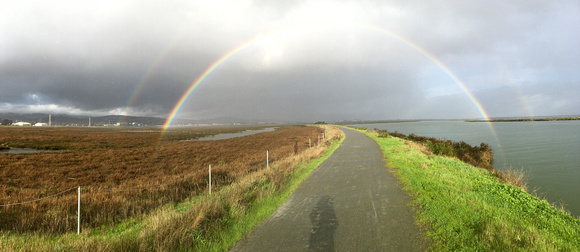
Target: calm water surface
<point>549,152</point>
<point>234,135</point>
<point>24,151</point>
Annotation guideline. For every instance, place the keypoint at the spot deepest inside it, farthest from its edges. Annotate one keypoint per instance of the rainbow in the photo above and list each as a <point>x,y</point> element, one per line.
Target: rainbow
<point>137,89</point>
<point>438,63</point>
<point>506,75</point>
<point>390,34</point>
<point>200,79</point>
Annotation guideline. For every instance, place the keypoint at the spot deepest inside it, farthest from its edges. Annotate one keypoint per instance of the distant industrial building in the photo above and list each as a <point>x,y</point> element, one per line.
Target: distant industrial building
<point>22,124</point>
<point>41,124</point>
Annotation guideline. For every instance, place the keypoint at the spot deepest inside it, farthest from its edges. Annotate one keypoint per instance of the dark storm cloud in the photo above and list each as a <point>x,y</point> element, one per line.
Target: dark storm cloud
<point>510,101</point>
<point>533,100</point>
<point>73,55</point>
<point>359,94</point>
<point>91,58</point>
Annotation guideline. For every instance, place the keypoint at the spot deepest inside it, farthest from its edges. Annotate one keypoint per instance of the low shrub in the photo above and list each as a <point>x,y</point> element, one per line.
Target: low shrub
<point>479,156</point>
<point>464,208</point>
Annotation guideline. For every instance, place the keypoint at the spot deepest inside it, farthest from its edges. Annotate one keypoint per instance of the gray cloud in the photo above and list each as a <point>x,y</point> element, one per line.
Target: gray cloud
<point>315,59</point>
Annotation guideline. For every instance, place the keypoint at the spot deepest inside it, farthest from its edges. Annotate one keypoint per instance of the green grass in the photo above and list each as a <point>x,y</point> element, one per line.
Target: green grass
<point>262,208</point>
<point>465,208</point>
<point>203,223</point>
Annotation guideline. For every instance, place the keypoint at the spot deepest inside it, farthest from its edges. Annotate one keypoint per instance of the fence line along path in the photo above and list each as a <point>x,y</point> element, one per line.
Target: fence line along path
<point>350,203</point>
<point>118,190</point>
<point>99,189</point>
<point>36,200</point>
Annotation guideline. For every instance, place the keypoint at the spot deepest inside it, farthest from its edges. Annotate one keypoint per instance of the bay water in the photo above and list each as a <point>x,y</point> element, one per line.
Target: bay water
<point>548,152</point>
<point>234,135</point>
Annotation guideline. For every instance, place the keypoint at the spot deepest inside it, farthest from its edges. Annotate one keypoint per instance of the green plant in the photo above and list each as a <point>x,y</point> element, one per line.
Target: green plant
<point>463,208</point>
<point>480,156</point>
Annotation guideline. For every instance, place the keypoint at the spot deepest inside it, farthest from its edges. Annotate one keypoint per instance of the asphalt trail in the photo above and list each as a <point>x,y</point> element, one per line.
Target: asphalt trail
<point>350,203</point>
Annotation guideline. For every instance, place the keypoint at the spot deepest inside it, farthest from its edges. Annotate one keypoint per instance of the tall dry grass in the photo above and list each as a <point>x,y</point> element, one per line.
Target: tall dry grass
<point>115,160</point>
<point>517,178</point>
<point>195,227</point>
<point>209,215</point>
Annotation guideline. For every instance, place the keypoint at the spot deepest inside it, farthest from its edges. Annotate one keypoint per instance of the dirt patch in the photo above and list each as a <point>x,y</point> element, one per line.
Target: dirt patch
<point>419,146</point>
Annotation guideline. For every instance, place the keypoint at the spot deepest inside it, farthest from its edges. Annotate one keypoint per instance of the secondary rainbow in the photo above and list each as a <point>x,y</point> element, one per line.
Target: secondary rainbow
<point>200,79</point>
<point>137,89</point>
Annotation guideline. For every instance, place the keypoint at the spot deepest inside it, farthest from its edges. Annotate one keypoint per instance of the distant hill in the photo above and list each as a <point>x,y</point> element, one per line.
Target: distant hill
<point>110,120</point>
<point>71,120</point>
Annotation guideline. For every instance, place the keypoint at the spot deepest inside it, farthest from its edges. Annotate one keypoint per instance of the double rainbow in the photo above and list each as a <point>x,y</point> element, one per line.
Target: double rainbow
<point>385,32</point>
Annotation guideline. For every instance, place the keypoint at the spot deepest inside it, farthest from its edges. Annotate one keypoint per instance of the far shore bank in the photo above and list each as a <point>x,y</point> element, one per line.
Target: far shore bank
<point>550,119</point>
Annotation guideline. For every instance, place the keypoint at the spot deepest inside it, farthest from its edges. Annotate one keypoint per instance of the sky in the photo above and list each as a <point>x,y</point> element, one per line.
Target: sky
<point>291,60</point>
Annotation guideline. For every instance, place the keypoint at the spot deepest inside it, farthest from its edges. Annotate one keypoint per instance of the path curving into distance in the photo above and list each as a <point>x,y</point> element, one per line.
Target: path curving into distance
<point>350,203</point>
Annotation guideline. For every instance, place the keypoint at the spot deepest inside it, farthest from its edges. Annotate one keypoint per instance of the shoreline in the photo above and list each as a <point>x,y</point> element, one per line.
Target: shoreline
<point>463,207</point>
<point>550,119</point>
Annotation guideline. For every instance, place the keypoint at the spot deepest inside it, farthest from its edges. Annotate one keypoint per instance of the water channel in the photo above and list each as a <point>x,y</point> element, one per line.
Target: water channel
<point>549,152</point>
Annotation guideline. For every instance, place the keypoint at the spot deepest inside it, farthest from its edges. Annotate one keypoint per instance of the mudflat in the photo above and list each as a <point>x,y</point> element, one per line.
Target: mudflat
<point>350,203</point>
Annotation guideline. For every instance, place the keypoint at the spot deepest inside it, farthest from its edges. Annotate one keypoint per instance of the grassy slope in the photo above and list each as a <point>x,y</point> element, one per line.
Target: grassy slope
<point>204,223</point>
<point>264,207</point>
<point>465,208</point>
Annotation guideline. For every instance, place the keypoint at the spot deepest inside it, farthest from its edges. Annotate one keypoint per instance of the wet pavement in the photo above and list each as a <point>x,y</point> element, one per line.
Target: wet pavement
<point>350,203</point>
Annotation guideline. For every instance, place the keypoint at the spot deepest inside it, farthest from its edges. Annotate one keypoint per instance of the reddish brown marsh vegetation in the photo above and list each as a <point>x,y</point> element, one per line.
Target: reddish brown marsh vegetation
<point>119,160</point>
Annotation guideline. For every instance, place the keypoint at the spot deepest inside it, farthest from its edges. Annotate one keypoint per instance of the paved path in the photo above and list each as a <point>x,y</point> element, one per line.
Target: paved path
<point>350,203</point>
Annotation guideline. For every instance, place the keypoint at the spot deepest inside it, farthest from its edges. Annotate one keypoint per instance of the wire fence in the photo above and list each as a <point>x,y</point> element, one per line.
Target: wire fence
<point>268,160</point>
<point>139,189</point>
<point>102,189</point>
<point>189,176</point>
<point>36,200</point>
<point>78,214</point>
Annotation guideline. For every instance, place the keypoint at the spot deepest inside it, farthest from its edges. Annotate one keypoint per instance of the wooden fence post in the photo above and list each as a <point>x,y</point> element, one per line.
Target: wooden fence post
<point>79,213</point>
<point>295,148</point>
